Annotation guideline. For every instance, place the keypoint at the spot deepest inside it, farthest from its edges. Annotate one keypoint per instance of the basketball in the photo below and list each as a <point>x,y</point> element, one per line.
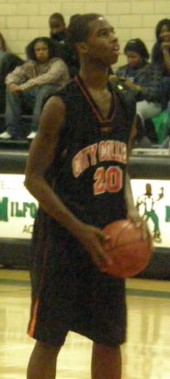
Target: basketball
<point>129,252</point>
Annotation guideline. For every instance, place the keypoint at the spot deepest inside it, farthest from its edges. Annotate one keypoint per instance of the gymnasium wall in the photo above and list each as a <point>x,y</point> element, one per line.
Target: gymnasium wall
<point>21,20</point>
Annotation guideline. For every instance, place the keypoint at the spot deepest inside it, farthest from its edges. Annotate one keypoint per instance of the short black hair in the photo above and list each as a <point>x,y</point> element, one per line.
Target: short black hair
<point>57,16</point>
<point>74,16</point>
<point>30,48</point>
<point>138,46</point>
<point>79,27</point>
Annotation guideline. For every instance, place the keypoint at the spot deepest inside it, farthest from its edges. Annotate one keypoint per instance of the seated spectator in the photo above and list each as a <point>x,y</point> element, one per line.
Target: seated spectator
<point>8,62</point>
<point>143,78</point>
<point>30,84</point>
<point>63,49</point>
<point>161,55</point>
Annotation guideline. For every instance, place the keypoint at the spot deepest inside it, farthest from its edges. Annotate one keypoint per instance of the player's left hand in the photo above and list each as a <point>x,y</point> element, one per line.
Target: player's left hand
<point>134,216</point>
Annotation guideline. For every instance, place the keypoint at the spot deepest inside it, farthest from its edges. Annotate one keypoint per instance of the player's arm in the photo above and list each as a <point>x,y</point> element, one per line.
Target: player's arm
<point>139,202</point>
<point>42,153</point>
<point>133,213</point>
<point>133,135</point>
<point>132,210</point>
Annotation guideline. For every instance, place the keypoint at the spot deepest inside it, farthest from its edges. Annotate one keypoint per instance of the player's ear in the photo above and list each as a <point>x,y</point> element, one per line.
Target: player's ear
<point>82,47</point>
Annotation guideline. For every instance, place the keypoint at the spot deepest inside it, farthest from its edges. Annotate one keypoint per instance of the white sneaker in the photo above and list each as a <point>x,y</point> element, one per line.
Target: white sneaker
<point>5,136</point>
<point>31,135</point>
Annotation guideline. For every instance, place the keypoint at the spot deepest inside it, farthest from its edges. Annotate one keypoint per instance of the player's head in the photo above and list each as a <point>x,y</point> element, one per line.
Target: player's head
<point>94,38</point>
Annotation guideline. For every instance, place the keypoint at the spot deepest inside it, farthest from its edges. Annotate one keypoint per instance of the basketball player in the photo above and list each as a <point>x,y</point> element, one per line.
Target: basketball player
<point>77,171</point>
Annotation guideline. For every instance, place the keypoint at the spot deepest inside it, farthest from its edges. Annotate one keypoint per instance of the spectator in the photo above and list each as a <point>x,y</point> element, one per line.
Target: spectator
<point>57,27</point>
<point>3,46</point>
<point>30,85</point>
<point>8,62</point>
<point>143,78</point>
<point>161,55</point>
<point>69,53</point>
<point>58,34</point>
<point>161,48</point>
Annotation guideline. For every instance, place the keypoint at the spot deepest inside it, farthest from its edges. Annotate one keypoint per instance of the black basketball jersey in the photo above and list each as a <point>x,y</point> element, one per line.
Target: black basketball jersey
<point>68,290</point>
<point>91,159</point>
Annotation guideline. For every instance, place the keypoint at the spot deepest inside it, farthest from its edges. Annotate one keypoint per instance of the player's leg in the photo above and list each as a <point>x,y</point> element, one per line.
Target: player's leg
<point>42,363</point>
<point>106,362</point>
<point>51,305</point>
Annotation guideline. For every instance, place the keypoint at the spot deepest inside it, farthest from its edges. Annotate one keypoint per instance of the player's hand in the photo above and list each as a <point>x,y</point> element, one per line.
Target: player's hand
<point>93,241</point>
<point>139,222</point>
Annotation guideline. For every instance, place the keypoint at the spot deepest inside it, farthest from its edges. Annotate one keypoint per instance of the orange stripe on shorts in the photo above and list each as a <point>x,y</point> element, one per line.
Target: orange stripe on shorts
<point>34,319</point>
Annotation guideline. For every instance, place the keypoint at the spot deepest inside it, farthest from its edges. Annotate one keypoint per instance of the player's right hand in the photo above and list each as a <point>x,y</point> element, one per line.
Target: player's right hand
<point>93,241</point>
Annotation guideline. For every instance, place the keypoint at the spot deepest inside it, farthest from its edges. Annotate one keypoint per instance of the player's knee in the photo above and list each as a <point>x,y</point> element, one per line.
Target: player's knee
<point>102,348</point>
<point>45,348</point>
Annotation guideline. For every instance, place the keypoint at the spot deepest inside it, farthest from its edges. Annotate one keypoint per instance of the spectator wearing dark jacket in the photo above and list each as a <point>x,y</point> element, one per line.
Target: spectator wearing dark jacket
<point>161,55</point>
<point>8,61</point>
<point>143,78</point>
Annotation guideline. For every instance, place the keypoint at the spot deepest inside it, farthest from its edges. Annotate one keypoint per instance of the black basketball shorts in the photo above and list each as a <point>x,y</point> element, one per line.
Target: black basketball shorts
<point>70,294</point>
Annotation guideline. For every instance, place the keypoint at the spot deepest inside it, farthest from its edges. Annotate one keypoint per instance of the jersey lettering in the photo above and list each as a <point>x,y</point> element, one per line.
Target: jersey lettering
<point>105,151</point>
<point>107,180</point>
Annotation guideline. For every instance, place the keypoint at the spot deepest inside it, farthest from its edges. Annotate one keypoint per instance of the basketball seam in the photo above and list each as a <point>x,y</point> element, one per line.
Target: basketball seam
<point>122,230</point>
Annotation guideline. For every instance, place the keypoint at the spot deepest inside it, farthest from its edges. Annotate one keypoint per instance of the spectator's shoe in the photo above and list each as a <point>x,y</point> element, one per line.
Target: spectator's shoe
<point>5,136</point>
<point>31,135</point>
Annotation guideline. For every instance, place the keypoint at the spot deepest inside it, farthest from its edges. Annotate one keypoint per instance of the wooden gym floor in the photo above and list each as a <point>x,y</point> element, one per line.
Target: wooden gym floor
<point>146,355</point>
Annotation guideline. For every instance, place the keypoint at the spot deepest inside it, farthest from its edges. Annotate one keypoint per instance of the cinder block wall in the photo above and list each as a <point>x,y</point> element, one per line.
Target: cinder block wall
<point>21,20</point>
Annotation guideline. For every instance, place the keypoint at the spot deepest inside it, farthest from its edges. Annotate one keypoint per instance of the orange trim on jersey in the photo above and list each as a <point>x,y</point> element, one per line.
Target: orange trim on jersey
<point>34,319</point>
<point>88,97</point>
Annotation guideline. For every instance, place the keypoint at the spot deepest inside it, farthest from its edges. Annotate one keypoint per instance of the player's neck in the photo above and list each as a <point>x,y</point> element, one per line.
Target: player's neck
<point>94,78</point>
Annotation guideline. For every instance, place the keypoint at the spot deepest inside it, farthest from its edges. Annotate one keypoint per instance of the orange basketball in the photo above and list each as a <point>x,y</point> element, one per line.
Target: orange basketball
<point>129,252</point>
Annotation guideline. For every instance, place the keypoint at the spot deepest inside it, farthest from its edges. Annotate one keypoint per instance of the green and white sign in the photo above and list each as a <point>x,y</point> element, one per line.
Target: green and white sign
<point>17,207</point>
